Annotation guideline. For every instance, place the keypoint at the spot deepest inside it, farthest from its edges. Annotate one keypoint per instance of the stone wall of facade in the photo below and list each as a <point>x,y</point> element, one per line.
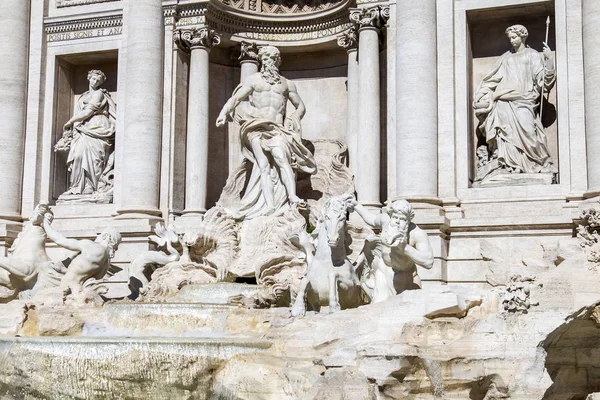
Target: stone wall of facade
<point>411,134</point>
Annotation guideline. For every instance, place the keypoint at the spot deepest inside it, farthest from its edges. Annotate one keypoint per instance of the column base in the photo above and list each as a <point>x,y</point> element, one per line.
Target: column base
<point>592,192</point>
<point>417,199</point>
<point>193,213</point>
<point>137,213</point>
<point>371,205</point>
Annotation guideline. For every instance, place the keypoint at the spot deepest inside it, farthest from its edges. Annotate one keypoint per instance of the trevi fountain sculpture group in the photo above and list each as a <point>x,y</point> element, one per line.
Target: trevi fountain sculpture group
<point>393,339</point>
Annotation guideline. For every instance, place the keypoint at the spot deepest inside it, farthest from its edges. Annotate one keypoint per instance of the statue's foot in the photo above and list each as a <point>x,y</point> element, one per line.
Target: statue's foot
<point>298,202</point>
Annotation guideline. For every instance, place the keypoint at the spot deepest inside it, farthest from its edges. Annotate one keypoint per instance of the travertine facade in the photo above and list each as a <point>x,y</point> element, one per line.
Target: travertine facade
<point>481,114</point>
<point>398,95</point>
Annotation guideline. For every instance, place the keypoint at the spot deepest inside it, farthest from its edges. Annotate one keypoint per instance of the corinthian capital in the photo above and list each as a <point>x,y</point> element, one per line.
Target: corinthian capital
<point>189,39</point>
<point>372,17</point>
<point>348,39</point>
<point>248,52</point>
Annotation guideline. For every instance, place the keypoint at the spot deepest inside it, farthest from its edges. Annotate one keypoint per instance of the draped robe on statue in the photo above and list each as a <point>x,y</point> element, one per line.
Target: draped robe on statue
<point>511,124</point>
<point>289,138</point>
<point>91,145</point>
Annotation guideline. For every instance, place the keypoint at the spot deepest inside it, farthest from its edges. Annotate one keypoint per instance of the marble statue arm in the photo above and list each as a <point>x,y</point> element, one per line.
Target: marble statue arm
<point>373,220</point>
<point>296,101</point>
<point>240,94</point>
<point>59,239</point>
<point>87,112</point>
<point>549,68</point>
<point>421,253</point>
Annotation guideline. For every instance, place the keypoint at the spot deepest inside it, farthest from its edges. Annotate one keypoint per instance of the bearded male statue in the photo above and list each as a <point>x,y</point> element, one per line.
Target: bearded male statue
<point>270,139</point>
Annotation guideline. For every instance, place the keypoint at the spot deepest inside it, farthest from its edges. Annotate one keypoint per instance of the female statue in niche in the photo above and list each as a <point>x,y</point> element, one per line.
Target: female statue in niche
<point>507,104</point>
<point>89,138</point>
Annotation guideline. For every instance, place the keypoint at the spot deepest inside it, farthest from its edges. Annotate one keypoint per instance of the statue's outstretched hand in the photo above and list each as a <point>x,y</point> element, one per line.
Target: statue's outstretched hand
<point>221,120</point>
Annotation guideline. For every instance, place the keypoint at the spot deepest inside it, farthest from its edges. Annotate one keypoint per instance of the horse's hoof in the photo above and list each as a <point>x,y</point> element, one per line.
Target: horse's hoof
<point>298,312</point>
<point>334,308</point>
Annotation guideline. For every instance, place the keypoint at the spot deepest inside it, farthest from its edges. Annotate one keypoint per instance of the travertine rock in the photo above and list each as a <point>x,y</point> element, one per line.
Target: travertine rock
<point>346,383</point>
<point>266,377</point>
<point>12,317</point>
<point>58,321</point>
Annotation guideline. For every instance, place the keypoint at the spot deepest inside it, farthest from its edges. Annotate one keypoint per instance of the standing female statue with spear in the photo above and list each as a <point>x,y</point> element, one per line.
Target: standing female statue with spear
<point>506,104</point>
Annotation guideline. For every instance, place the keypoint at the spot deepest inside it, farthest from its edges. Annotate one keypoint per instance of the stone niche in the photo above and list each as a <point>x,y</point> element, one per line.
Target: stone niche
<point>320,78</point>
<point>70,83</point>
<point>487,42</point>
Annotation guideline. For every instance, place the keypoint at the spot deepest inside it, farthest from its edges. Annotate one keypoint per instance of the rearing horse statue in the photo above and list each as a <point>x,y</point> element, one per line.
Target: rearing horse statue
<point>331,279</point>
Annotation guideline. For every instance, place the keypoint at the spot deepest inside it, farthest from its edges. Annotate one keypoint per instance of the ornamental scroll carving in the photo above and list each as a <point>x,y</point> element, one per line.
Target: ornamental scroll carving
<point>248,52</point>
<point>189,39</point>
<point>348,39</point>
<point>372,17</point>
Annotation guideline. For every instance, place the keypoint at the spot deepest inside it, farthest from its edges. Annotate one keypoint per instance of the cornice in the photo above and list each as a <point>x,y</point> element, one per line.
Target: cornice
<point>323,26</point>
<point>69,3</point>
<point>107,21</point>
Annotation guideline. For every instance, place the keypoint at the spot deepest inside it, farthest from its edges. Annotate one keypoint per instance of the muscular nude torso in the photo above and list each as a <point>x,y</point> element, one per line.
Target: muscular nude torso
<point>29,252</point>
<point>269,100</point>
<point>396,258</point>
<point>92,262</point>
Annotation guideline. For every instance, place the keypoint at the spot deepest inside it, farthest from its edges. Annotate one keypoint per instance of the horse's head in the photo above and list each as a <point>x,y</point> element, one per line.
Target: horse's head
<point>333,219</point>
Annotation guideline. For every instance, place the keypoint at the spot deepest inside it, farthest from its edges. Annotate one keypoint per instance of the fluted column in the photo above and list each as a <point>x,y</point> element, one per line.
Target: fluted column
<point>140,168</point>
<point>416,101</point>
<point>349,41</point>
<point>198,42</point>
<point>591,65</point>
<point>249,62</point>
<point>370,21</point>
<point>14,45</point>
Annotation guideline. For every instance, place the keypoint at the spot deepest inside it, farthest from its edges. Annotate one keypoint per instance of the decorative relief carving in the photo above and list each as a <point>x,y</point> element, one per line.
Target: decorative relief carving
<point>348,39</point>
<point>296,7</point>
<point>68,3</point>
<point>372,17</point>
<point>248,52</point>
<point>589,237</point>
<point>189,39</point>
<point>170,13</point>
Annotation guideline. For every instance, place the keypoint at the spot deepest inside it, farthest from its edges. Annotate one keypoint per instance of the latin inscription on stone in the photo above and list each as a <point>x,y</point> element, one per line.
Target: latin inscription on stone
<point>290,37</point>
<point>90,33</point>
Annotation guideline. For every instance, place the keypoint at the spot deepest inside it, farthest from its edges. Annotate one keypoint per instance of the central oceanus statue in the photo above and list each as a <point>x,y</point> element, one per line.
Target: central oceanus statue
<point>330,277</point>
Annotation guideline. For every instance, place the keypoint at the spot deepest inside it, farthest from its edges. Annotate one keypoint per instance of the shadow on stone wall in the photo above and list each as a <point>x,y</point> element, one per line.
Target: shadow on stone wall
<point>573,351</point>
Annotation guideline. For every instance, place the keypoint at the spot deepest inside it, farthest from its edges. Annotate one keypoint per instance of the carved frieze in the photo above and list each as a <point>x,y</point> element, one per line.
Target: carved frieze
<point>281,6</point>
<point>189,39</point>
<point>326,27</point>
<point>330,20</point>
